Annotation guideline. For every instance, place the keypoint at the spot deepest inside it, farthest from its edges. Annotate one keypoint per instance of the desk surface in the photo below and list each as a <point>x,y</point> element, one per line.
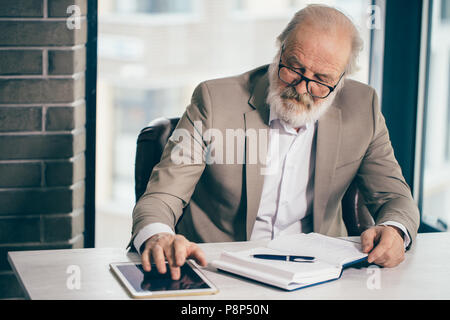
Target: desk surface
<point>425,274</point>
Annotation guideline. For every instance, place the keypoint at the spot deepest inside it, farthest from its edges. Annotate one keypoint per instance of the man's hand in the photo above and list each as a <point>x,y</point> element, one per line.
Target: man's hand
<point>389,248</point>
<point>175,248</point>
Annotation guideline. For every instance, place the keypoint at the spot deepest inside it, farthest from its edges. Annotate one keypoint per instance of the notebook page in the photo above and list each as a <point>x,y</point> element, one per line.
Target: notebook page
<point>281,268</point>
<point>332,250</point>
<point>279,273</point>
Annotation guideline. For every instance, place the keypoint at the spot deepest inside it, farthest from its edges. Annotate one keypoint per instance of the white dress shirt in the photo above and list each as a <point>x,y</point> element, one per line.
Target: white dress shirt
<point>288,190</point>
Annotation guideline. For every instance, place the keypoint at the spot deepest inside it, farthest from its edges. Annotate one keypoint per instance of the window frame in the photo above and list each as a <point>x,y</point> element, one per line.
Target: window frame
<point>426,223</point>
<point>91,106</point>
<point>407,52</point>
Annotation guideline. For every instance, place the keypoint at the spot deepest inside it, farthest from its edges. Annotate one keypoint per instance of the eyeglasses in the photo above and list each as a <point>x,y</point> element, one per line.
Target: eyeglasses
<point>292,78</point>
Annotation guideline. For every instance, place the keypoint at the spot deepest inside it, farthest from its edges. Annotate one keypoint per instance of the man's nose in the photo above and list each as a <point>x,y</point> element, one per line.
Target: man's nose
<point>301,87</point>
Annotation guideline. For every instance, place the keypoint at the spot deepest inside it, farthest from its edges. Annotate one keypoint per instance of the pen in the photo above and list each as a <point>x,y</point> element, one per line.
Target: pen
<point>284,258</point>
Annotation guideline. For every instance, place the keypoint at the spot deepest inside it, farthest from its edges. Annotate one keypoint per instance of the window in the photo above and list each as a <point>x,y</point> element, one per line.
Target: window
<point>152,6</point>
<point>132,109</point>
<point>445,11</point>
<point>149,66</point>
<point>436,160</point>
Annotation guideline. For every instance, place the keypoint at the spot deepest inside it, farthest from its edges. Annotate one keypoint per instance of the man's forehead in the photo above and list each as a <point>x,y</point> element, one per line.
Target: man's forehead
<point>297,58</point>
<point>319,51</point>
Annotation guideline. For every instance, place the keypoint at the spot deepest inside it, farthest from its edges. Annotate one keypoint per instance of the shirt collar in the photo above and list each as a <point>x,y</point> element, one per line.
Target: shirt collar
<point>273,116</point>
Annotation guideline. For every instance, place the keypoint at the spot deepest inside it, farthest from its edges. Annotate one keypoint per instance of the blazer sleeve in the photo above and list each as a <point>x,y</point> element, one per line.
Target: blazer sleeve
<point>388,196</point>
<point>174,178</point>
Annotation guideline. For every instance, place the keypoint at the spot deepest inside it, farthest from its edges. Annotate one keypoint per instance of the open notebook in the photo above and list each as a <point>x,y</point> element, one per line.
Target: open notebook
<point>331,256</point>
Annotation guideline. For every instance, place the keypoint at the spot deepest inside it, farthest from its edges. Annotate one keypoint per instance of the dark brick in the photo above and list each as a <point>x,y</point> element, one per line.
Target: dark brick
<point>41,33</point>
<point>58,8</point>
<point>17,91</point>
<point>22,119</point>
<point>62,62</point>
<point>27,174</point>
<point>21,8</point>
<point>35,201</point>
<point>20,229</point>
<point>65,118</point>
<point>48,146</point>
<point>23,62</point>
<point>41,201</point>
<point>10,287</point>
<point>63,173</point>
<point>62,227</point>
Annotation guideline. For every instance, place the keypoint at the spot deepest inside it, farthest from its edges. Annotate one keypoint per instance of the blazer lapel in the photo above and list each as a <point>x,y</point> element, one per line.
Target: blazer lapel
<point>255,120</point>
<point>327,148</point>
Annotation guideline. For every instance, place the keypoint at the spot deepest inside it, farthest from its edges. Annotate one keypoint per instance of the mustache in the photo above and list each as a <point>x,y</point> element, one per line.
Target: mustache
<point>291,93</point>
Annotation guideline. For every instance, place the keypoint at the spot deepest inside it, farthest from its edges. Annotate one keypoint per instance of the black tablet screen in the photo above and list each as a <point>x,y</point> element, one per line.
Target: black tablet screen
<point>143,281</point>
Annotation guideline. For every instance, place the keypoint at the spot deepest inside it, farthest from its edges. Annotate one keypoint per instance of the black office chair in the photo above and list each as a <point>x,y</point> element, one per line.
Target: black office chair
<point>150,145</point>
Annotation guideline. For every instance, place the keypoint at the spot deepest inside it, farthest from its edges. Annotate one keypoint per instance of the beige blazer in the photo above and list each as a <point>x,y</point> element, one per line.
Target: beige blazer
<point>219,202</point>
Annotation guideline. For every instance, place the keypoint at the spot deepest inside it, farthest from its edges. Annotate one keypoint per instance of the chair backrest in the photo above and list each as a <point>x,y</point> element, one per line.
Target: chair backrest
<point>355,214</point>
<point>150,145</point>
<point>153,138</point>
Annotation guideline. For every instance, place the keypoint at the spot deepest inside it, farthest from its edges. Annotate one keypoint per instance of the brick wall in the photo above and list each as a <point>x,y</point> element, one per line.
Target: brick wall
<point>42,130</point>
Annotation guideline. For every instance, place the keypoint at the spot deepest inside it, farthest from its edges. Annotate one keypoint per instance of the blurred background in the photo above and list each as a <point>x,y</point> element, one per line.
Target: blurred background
<point>151,56</point>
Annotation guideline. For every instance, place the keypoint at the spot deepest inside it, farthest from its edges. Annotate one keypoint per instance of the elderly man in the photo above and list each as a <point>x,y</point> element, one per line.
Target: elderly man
<point>323,132</point>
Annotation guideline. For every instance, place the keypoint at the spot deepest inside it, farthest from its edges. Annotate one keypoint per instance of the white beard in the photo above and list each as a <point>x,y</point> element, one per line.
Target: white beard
<point>296,114</point>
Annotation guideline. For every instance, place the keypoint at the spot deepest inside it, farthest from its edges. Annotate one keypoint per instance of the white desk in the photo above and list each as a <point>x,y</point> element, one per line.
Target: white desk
<point>425,274</point>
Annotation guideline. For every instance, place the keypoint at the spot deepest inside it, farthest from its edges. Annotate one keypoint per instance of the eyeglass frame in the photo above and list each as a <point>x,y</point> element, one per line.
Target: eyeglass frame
<point>302,77</point>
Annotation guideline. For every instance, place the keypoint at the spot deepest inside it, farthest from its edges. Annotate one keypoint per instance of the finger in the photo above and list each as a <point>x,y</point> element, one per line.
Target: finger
<point>145,259</point>
<point>368,239</point>
<point>383,264</point>
<point>376,255</point>
<point>382,260</point>
<point>158,258</point>
<point>180,251</point>
<point>394,256</point>
<point>175,273</point>
<point>391,251</point>
<point>195,252</point>
<point>168,252</point>
<point>391,263</point>
<point>174,269</point>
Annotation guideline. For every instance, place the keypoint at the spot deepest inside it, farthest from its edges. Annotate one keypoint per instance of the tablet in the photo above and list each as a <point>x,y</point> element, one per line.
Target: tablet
<point>142,284</point>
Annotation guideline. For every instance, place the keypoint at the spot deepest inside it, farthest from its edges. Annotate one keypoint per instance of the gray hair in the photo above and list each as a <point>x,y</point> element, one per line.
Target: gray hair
<point>327,18</point>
